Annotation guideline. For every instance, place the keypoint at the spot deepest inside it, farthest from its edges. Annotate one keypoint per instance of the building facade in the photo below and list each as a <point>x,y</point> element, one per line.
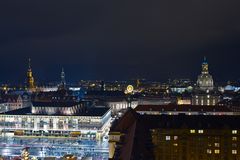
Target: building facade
<point>91,124</point>
<point>180,137</point>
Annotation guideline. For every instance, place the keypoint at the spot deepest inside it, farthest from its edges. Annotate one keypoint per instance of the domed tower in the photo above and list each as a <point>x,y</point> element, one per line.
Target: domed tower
<point>205,80</point>
<point>30,79</point>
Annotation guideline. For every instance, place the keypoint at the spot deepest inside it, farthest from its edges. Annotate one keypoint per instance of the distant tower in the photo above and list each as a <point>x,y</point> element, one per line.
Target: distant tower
<point>205,80</point>
<point>63,81</point>
<point>30,79</point>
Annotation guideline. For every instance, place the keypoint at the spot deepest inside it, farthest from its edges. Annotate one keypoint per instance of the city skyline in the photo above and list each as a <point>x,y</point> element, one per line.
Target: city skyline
<point>71,80</point>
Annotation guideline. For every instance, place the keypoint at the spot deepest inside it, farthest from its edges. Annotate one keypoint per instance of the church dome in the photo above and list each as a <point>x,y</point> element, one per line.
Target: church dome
<point>205,80</point>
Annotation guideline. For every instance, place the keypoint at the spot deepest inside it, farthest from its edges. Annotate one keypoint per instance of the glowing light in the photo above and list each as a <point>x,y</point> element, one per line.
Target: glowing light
<point>130,88</point>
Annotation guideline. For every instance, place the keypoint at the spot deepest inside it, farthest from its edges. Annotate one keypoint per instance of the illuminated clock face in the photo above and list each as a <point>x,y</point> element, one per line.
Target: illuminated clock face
<point>129,88</point>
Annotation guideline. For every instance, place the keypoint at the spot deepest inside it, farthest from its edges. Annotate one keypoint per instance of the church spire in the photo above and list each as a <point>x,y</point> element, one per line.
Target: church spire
<point>30,79</point>
<point>63,81</point>
<point>205,59</point>
<point>63,76</point>
<point>29,63</point>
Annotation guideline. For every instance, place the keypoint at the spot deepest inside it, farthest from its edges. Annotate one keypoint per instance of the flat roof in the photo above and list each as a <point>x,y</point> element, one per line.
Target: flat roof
<point>182,108</point>
<point>93,111</point>
<point>55,104</point>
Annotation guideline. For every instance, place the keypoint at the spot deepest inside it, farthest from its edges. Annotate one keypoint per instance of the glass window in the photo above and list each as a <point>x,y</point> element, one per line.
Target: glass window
<point>216,151</point>
<point>200,131</point>
<point>216,144</point>
<point>234,131</point>
<point>168,138</point>
<point>234,151</point>
<point>192,131</point>
<point>209,151</point>
<point>234,138</point>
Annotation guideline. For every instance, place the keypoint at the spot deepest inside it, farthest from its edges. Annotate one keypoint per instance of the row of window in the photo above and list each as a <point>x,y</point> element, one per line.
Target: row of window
<point>217,151</point>
<point>201,131</point>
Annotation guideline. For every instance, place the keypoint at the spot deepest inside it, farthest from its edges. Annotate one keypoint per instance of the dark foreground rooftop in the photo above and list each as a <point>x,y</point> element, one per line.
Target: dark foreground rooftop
<point>136,130</point>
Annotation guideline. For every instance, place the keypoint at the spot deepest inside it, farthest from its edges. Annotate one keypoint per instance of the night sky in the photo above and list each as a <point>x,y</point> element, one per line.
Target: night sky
<point>119,39</point>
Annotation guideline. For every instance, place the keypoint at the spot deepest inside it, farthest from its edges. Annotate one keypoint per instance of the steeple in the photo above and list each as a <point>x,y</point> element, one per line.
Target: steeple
<point>62,85</point>
<point>30,79</point>
<point>29,63</point>
<point>63,77</point>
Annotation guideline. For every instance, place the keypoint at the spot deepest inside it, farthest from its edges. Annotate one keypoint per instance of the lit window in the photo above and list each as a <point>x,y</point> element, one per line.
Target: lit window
<point>175,138</point>
<point>192,131</point>
<point>234,131</point>
<point>168,138</point>
<point>214,102</point>
<point>216,144</point>
<point>209,151</point>
<point>216,151</point>
<point>234,151</point>
<point>234,138</point>
<point>200,131</point>
<point>208,102</point>
<point>175,144</point>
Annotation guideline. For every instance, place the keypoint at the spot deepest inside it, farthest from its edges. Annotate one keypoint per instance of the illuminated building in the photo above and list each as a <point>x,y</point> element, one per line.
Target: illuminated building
<point>57,119</point>
<point>209,99</point>
<point>13,101</point>
<point>184,100</point>
<point>205,80</point>
<point>30,80</point>
<point>180,137</point>
<point>205,94</point>
<point>118,104</point>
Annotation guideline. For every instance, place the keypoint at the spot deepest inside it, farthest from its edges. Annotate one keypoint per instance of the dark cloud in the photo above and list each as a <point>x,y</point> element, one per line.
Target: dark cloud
<point>94,39</point>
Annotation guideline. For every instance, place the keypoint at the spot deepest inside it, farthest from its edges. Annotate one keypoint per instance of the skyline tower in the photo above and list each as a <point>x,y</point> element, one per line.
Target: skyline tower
<point>30,78</point>
<point>63,81</point>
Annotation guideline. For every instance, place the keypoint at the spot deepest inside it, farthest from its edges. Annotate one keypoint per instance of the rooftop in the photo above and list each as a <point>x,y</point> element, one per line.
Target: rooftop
<point>100,111</point>
<point>182,108</point>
